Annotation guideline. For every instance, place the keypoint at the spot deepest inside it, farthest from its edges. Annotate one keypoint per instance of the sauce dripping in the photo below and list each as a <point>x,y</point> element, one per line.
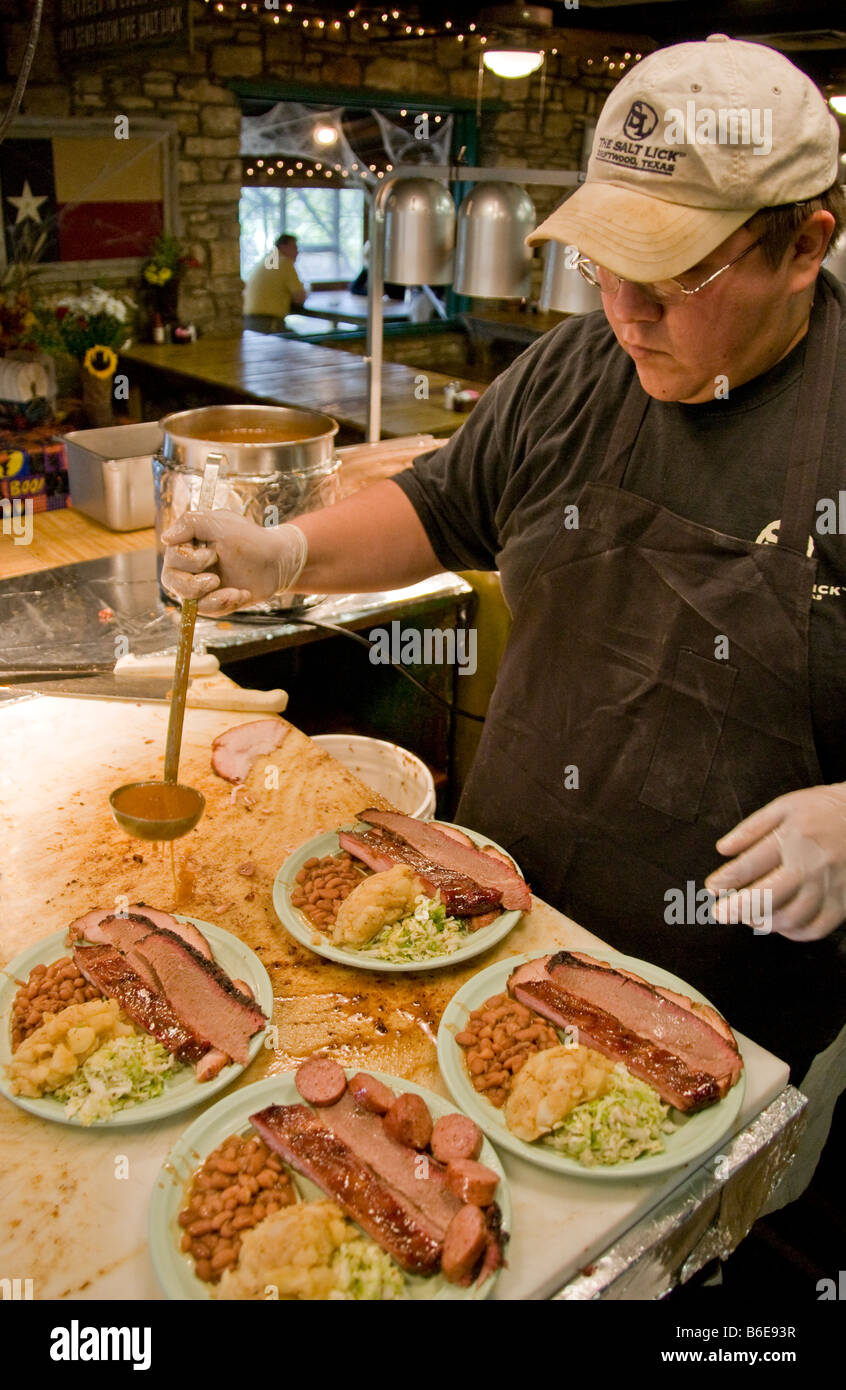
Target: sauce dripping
<point>183,878</point>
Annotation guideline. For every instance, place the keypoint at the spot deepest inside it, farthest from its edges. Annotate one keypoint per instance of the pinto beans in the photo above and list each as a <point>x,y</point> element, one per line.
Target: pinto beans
<point>49,989</point>
<point>237,1186</point>
<point>322,885</point>
<point>498,1038</point>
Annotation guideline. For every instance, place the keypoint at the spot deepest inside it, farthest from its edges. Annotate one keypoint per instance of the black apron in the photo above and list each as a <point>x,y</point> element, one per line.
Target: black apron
<point>653,693</point>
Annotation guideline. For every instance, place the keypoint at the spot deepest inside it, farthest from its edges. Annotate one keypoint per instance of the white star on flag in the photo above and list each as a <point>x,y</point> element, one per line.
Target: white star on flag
<point>27,204</point>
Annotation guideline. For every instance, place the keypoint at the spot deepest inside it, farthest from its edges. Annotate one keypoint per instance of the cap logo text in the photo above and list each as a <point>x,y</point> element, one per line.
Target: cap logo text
<point>641,121</point>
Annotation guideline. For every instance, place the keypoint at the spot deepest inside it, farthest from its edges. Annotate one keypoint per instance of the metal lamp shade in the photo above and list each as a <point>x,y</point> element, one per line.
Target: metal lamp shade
<point>419,233</point>
<point>492,259</point>
<point>562,287</point>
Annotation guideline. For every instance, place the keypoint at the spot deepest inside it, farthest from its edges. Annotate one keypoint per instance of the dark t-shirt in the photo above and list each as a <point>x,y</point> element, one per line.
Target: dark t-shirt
<point>493,497</point>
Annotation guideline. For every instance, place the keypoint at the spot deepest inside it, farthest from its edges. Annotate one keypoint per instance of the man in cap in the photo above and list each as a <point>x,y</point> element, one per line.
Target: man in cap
<point>658,485</point>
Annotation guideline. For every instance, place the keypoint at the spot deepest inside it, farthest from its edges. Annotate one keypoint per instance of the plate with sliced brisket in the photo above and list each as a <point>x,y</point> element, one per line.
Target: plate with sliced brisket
<point>391,1194</point>
<point>163,1011</point>
<point>592,1064</point>
<point>393,893</point>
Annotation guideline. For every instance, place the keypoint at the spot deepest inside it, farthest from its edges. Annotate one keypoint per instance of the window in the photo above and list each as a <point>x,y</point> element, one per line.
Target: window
<point>327,222</point>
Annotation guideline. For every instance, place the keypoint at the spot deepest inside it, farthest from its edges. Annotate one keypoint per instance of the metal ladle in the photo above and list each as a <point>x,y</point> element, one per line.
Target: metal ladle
<point>167,810</point>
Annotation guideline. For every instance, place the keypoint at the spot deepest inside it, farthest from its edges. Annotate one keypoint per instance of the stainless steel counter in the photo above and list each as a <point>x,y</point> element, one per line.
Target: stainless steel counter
<point>84,616</point>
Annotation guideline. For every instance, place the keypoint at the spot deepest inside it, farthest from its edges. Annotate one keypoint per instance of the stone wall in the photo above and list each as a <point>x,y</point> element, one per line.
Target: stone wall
<point>189,89</point>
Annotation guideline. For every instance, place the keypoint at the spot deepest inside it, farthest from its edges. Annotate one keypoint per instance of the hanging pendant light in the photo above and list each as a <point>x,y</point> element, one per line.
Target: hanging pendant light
<point>512,62</point>
<point>517,33</point>
<point>492,259</point>
<point>563,288</point>
<point>419,233</point>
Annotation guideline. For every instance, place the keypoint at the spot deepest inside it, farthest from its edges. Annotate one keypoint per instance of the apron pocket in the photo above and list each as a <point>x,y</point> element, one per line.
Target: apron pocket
<point>689,736</point>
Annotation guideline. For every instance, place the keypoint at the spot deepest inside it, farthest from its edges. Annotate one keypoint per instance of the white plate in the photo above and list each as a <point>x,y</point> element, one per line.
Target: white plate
<point>175,1269</point>
<point>305,932</point>
<point>696,1136</point>
<point>180,1093</point>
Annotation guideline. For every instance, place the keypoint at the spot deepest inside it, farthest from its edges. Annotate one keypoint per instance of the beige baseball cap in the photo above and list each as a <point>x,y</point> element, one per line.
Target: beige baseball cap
<point>693,141</point>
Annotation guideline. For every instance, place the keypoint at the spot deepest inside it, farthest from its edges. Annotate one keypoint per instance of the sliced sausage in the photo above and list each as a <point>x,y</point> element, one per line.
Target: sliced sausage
<point>371,1093</point>
<point>409,1121</point>
<point>454,1137</point>
<point>464,1244</point>
<point>472,1182</point>
<point>320,1081</point>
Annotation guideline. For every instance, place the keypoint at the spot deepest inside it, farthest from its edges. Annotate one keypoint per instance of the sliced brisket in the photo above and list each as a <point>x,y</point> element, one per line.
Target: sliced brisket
<point>301,1138</point>
<point>688,1087</point>
<point>443,849</point>
<point>665,1016</point>
<point>422,1184</point>
<point>201,994</point>
<point>461,895</point>
<point>109,970</point>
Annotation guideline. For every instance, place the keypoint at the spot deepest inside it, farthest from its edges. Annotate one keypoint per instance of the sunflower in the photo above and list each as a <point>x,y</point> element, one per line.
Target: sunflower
<point>100,361</point>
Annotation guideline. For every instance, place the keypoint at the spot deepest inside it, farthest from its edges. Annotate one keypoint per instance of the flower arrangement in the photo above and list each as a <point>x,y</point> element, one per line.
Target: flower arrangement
<point>166,260</point>
<point>76,324</point>
<point>161,274</point>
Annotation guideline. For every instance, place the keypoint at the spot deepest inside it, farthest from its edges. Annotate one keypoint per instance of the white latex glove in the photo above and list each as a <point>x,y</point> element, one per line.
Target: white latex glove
<point>234,563</point>
<point>794,850</point>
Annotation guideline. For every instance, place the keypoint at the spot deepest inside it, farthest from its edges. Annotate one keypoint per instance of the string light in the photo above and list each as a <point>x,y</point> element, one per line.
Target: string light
<point>250,173</point>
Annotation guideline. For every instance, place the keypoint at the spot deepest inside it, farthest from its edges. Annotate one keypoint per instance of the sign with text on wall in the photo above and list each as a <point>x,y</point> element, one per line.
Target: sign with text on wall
<point>85,28</point>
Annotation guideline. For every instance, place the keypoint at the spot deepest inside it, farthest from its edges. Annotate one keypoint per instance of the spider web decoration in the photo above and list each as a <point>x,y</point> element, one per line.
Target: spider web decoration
<point>289,129</point>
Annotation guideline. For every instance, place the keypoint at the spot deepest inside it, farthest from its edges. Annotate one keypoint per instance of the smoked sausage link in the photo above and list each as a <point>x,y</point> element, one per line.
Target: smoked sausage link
<point>409,1121</point>
<point>472,1182</point>
<point>464,1244</point>
<point>371,1093</point>
<point>320,1081</point>
<point>454,1137</point>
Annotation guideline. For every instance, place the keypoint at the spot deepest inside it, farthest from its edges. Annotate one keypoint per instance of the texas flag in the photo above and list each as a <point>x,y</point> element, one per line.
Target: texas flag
<point>93,197</point>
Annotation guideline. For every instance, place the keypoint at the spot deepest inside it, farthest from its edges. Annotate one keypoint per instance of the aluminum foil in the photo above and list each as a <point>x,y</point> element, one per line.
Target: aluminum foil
<point>705,1218</point>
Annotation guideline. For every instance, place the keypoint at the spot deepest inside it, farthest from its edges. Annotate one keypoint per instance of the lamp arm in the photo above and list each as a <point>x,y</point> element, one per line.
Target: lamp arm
<point>375,310</point>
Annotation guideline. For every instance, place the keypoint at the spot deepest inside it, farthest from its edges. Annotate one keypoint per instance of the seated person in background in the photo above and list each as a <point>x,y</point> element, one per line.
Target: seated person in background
<point>273,290</point>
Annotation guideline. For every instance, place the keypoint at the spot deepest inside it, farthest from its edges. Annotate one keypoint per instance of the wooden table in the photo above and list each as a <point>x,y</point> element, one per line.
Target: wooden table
<point>342,307</point>
<point>281,371</point>
<point>73,1221</point>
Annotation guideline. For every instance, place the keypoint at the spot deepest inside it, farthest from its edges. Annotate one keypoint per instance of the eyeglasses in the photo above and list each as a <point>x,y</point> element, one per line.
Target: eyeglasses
<point>661,291</point>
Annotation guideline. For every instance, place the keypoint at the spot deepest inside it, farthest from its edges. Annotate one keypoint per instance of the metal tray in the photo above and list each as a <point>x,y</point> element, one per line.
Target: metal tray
<point>110,472</point>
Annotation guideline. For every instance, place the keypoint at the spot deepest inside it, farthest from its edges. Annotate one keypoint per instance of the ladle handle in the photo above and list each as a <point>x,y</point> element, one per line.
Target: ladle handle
<point>182,670</point>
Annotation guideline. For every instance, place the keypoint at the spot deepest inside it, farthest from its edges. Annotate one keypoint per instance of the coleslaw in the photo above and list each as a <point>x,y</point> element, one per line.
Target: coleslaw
<point>424,933</point>
<point>627,1122</point>
<point>365,1272</point>
<point>119,1073</point>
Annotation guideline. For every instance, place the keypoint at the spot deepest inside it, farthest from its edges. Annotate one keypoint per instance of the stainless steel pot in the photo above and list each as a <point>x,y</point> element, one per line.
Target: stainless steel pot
<point>279,463</point>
